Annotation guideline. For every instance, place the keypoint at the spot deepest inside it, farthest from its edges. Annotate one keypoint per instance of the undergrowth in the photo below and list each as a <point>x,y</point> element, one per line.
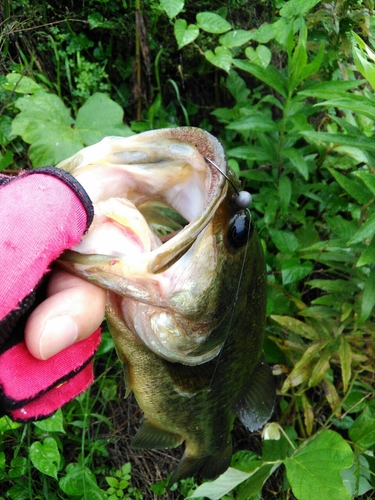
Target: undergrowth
<point>287,86</point>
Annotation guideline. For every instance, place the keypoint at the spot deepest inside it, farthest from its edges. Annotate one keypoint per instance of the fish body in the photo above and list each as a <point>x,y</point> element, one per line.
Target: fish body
<point>186,282</point>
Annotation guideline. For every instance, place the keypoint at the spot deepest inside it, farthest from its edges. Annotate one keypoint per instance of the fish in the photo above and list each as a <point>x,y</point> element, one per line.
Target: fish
<point>186,279</point>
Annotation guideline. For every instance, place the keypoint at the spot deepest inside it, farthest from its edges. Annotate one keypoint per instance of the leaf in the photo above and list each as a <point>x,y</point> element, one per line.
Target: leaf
<point>367,230</point>
<point>285,193</point>
<point>362,432</point>
<point>297,160</point>
<point>212,23</point>
<point>351,185</point>
<point>257,121</point>
<point>296,326</point>
<point>185,34</point>
<point>357,103</point>
<point>235,38</point>
<point>285,241</point>
<point>270,76</point>
<point>214,490</point>
<point>293,270</point>
<point>52,424</point>
<point>79,480</point>
<point>100,117</point>
<point>355,141</point>
<point>260,56</point>
<point>368,179</point>
<point>294,8</point>
<point>45,456</point>
<point>345,354</point>
<point>314,470</point>
<point>20,84</point>
<point>222,58</point>
<point>368,256</point>
<point>368,298</point>
<point>363,65</point>
<point>172,7</point>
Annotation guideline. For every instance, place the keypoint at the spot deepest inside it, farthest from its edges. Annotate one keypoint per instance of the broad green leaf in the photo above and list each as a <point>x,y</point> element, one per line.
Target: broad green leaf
<point>236,38</point>
<point>368,179</point>
<point>257,122</point>
<point>46,124</point>
<point>298,61</point>
<point>6,135</point>
<point>296,326</point>
<point>270,76</point>
<point>314,470</point>
<point>345,354</point>
<point>293,270</point>
<point>362,432</point>
<point>314,65</point>
<point>368,298</point>
<point>249,153</point>
<point>222,58</point>
<point>172,7</point>
<point>285,241</point>
<point>294,8</point>
<point>363,65</point>
<point>215,490</point>
<point>357,478</point>
<point>6,160</point>
<point>337,285</point>
<point>20,84</point>
<point>212,23</point>
<point>367,230</point>
<point>297,160</point>
<point>52,424</point>
<point>79,480</point>
<point>45,456</point>
<point>100,116</point>
<point>185,34</point>
<point>261,56</point>
<point>331,89</point>
<point>237,87</point>
<point>351,185</point>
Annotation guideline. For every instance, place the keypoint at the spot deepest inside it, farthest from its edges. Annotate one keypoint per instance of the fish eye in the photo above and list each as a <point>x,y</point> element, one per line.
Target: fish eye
<point>240,230</point>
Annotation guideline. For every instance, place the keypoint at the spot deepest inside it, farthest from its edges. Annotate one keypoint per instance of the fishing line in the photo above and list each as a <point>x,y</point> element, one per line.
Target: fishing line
<point>238,201</point>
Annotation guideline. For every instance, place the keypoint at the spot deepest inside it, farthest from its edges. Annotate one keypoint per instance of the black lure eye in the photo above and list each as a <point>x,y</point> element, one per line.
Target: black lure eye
<point>239,229</point>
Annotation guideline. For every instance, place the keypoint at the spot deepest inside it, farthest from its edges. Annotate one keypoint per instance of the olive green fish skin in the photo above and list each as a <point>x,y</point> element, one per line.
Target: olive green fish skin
<point>209,291</point>
<point>197,403</point>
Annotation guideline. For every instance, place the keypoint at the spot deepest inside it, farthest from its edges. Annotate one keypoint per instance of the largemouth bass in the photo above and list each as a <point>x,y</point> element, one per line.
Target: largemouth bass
<point>186,282</point>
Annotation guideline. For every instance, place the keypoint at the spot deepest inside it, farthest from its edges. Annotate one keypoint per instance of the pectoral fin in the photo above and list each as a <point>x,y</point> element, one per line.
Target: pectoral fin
<point>154,438</point>
<point>256,404</point>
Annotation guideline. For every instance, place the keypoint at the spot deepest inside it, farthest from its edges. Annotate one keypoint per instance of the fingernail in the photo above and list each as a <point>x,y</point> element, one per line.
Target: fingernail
<point>58,333</point>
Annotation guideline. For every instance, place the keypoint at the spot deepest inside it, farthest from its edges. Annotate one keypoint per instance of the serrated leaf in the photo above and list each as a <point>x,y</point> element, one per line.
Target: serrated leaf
<point>314,470</point>
<point>172,7</point>
<point>222,58</point>
<point>100,116</point>
<point>45,456</point>
<point>236,38</point>
<point>296,326</point>
<point>212,23</point>
<point>357,103</point>
<point>293,270</point>
<point>185,34</point>
<point>46,124</point>
<point>261,56</point>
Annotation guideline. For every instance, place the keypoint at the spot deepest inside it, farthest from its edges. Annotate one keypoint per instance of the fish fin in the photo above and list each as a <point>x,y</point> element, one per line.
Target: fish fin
<point>209,467</point>
<point>149,436</point>
<point>128,385</point>
<point>255,406</point>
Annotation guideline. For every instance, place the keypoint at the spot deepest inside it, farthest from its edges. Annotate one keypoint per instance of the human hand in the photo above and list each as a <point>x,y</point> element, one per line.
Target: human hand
<point>73,310</point>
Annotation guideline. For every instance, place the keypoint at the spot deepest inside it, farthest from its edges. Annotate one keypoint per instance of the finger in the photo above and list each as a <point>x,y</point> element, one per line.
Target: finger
<point>72,311</point>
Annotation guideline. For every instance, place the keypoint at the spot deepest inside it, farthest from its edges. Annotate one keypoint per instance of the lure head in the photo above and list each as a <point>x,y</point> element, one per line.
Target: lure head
<point>170,237</point>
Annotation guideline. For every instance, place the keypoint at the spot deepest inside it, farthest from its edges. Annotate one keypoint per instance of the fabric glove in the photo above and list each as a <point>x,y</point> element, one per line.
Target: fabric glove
<point>43,212</point>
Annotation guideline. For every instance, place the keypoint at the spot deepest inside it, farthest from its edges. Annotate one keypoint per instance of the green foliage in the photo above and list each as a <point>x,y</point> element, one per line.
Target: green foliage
<point>292,101</point>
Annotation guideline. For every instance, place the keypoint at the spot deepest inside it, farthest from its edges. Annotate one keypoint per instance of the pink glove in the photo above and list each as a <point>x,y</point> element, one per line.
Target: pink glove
<point>43,212</point>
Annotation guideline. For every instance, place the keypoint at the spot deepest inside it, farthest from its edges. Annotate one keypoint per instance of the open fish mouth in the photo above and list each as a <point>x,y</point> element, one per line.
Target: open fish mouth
<point>153,240</point>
